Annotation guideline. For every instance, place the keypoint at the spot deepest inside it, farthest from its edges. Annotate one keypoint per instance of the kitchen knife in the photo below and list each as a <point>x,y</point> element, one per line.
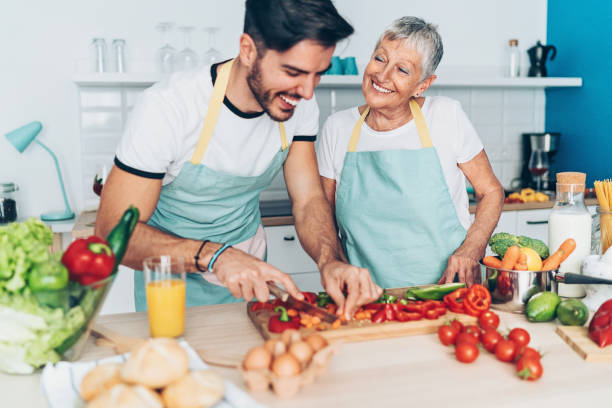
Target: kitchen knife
<point>300,305</point>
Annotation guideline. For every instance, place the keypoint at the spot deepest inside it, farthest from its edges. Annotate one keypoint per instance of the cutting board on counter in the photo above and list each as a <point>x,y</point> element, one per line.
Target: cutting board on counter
<point>578,339</point>
<point>363,330</point>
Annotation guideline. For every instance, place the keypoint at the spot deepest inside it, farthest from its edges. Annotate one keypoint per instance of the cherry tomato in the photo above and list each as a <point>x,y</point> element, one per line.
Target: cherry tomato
<point>505,350</point>
<point>519,336</point>
<point>527,352</point>
<point>473,330</point>
<point>466,352</point>
<point>488,320</point>
<point>466,338</point>
<point>489,339</point>
<point>447,334</point>
<point>529,368</point>
<point>457,325</point>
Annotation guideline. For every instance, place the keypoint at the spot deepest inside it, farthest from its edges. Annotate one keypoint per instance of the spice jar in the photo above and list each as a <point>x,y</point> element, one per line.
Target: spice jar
<point>8,202</point>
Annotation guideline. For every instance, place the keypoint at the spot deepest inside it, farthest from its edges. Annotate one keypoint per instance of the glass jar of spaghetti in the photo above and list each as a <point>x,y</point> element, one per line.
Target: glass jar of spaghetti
<point>603,191</point>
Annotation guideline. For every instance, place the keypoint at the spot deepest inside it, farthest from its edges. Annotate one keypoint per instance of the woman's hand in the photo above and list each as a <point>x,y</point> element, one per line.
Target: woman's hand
<point>465,266</point>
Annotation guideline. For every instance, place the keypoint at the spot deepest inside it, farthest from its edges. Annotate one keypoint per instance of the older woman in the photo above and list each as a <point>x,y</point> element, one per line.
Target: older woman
<point>395,169</point>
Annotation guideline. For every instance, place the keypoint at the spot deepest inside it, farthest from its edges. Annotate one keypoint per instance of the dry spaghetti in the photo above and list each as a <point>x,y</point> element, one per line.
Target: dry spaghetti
<point>603,190</point>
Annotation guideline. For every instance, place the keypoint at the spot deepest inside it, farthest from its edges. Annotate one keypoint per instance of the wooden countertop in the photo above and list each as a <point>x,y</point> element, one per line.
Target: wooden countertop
<point>388,372</point>
<point>86,220</point>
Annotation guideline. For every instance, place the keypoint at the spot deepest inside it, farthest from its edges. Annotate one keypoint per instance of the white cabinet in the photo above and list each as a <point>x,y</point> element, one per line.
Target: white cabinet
<point>533,224</point>
<point>506,223</point>
<point>286,253</point>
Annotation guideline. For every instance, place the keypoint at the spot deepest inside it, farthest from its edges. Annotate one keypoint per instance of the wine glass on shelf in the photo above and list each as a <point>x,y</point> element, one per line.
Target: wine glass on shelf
<point>166,53</point>
<point>186,58</point>
<point>100,178</point>
<point>212,55</point>
<point>538,166</point>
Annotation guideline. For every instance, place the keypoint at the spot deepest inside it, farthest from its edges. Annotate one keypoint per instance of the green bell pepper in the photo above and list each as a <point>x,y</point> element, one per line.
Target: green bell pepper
<point>48,282</point>
<point>323,299</point>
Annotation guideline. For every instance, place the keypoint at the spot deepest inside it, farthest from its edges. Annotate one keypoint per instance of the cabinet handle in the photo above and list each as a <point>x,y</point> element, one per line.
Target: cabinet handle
<point>537,222</point>
<point>289,238</point>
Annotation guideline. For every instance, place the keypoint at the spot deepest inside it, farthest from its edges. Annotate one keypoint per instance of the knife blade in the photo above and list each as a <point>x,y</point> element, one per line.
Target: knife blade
<point>300,304</point>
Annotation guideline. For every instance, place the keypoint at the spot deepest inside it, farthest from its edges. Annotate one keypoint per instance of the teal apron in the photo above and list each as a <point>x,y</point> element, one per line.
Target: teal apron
<point>395,213</point>
<point>201,203</point>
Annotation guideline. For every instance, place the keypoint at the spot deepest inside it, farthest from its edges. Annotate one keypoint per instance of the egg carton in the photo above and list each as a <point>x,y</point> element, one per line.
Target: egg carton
<point>286,387</point>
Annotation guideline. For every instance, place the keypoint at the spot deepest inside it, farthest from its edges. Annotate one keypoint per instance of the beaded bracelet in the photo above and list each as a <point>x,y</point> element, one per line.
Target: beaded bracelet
<point>216,255</point>
<point>197,256</point>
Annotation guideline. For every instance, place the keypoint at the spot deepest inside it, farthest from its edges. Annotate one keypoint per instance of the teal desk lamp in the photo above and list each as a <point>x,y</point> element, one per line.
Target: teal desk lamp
<point>21,139</point>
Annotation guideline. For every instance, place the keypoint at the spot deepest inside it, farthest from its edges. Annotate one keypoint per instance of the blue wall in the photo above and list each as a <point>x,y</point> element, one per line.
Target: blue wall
<point>582,33</point>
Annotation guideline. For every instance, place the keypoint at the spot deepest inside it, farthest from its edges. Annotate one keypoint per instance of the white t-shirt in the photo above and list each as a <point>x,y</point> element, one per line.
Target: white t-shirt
<point>164,127</point>
<point>452,134</point>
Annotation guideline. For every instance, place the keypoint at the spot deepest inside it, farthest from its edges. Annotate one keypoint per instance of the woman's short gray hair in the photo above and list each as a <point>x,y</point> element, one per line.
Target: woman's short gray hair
<point>421,35</point>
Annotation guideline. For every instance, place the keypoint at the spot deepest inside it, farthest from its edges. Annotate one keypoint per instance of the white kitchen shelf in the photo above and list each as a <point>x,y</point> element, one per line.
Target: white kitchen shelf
<point>345,81</point>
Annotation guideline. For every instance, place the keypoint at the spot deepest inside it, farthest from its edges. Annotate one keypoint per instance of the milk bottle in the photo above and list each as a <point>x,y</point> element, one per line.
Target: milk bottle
<point>569,218</point>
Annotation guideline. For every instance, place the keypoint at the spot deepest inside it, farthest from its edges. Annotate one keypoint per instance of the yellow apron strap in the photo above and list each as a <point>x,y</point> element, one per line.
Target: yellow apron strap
<point>357,131</point>
<point>283,134</point>
<point>419,121</point>
<point>214,107</point>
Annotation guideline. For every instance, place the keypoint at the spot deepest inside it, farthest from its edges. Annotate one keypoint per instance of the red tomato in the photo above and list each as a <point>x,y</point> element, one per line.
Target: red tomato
<point>447,334</point>
<point>519,336</point>
<point>489,339</point>
<point>473,330</point>
<point>529,368</point>
<point>466,352</point>
<point>527,352</point>
<point>505,350</point>
<point>488,320</point>
<point>466,338</point>
<point>457,325</point>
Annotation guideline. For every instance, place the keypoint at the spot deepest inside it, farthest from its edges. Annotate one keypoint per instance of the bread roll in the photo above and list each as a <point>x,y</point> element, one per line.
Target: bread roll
<point>198,389</point>
<point>127,396</point>
<point>100,379</point>
<point>156,363</point>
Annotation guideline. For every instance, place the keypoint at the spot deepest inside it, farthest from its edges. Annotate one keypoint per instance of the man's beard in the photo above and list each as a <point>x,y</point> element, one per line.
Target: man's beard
<point>265,97</point>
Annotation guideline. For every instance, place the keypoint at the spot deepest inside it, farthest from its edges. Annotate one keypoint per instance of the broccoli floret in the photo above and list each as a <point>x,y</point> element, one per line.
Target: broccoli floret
<point>535,244</point>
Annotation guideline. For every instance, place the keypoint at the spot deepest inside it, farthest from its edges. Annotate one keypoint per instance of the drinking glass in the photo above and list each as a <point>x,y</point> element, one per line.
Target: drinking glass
<point>212,55</point>
<point>165,290</point>
<point>538,166</point>
<point>166,53</point>
<point>186,58</point>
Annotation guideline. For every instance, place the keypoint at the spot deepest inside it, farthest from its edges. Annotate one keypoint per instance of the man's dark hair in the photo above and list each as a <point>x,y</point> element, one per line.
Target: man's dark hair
<point>281,24</point>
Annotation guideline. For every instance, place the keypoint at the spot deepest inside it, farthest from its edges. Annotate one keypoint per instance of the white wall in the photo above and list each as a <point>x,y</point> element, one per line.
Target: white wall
<point>41,41</point>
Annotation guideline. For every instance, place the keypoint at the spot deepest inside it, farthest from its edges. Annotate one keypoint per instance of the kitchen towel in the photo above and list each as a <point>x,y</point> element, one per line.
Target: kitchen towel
<point>60,382</point>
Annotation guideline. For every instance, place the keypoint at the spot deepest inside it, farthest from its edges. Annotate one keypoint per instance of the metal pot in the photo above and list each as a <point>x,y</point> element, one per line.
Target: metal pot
<point>511,290</point>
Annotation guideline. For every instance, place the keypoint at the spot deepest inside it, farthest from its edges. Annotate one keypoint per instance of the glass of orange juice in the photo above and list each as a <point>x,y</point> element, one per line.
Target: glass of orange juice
<point>165,289</point>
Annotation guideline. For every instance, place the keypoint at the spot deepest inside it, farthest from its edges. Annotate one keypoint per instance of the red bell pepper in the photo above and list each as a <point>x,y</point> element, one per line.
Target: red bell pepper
<point>280,323</point>
<point>477,300</point>
<point>262,306</point>
<point>310,297</point>
<point>405,316</point>
<point>89,260</point>
<point>600,328</point>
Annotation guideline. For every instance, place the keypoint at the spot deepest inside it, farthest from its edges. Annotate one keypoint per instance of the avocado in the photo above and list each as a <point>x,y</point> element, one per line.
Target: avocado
<point>572,312</point>
<point>542,307</point>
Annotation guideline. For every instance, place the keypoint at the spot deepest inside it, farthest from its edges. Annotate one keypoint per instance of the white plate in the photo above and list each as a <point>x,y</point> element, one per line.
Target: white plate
<point>60,382</point>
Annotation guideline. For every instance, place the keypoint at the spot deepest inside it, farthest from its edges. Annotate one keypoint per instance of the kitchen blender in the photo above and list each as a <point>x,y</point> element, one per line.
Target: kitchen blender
<point>538,152</point>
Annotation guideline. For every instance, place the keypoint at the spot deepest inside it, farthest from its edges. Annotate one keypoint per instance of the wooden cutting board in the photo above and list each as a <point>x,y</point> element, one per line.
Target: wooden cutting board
<point>578,339</point>
<point>363,330</point>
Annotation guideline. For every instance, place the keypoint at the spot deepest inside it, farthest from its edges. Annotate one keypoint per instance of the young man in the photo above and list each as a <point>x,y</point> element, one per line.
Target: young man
<point>199,148</point>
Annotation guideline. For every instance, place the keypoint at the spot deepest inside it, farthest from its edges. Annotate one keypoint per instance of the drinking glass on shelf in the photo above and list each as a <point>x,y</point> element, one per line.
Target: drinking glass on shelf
<point>165,289</point>
<point>166,53</point>
<point>186,58</point>
<point>212,55</point>
<point>538,166</point>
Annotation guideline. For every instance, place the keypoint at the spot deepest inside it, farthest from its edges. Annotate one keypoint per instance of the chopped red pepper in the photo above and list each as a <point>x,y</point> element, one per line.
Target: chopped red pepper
<point>262,306</point>
<point>477,300</point>
<point>310,297</point>
<point>404,316</point>
<point>280,323</point>
<point>89,260</point>
<point>379,316</point>
<point>600,328</point>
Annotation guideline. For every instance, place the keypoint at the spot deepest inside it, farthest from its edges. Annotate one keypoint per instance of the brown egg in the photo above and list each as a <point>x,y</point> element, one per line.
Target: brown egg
<point>289,336</point>
<point>302,351</point>
<point>258,358</point>
<point>317,342</point>
<point>286,365</point>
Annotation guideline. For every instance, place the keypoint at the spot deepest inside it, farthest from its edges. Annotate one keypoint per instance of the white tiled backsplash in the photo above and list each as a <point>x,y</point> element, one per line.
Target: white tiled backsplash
<point>499,115</point>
